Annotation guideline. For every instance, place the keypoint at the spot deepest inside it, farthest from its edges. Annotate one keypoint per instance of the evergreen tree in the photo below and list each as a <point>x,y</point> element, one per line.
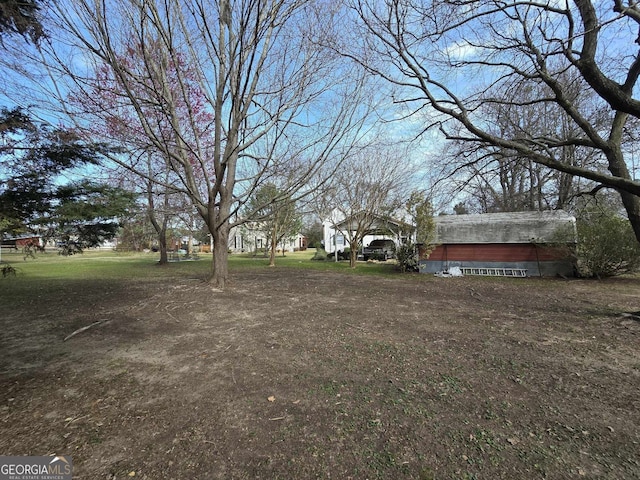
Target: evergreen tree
<point>21,17</point>
<point>33,197</point>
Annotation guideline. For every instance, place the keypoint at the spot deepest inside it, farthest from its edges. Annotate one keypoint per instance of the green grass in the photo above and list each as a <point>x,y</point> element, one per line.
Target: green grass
<point>90,265</point>
<point>109,265</point>
<point>303,260</point>
<point>51,278</point>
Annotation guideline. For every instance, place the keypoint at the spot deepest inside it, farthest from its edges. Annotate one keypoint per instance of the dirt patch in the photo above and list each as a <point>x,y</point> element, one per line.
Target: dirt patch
<point>300,374</point>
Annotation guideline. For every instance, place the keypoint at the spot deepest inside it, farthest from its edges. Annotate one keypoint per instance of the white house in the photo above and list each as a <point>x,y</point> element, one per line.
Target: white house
<point>250,238</point>
<point>332,238</point>
<point>336,231</point>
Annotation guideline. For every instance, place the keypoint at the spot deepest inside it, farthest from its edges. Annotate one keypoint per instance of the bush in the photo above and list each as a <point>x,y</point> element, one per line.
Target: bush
<point>607,245</point>
<point>320,255</point>
<point>407,257</point>
<point>341,255</point>
<point>8,270</point>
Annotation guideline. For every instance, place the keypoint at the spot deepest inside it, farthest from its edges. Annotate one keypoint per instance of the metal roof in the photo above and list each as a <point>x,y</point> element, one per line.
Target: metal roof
<point>510,227</point>
<point>380,224</point>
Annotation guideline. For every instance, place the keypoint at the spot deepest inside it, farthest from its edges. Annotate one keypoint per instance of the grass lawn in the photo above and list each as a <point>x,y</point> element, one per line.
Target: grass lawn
<point>110,264</point>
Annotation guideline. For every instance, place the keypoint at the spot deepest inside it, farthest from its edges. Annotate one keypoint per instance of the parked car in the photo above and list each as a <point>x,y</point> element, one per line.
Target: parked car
<point>382,249</point>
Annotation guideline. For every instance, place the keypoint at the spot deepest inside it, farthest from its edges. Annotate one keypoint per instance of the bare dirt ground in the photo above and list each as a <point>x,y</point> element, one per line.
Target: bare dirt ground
<point>298,374</point>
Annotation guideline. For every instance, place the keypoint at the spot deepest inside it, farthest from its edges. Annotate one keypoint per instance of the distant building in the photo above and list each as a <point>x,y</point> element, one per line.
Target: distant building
<point>512,244</point>
<point>250,238</point>
<point>337,230</point>
<point>22,241</point>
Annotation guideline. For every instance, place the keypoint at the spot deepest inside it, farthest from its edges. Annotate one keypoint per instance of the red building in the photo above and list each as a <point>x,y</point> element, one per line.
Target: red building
<point>22,241</point>
<point>506,244</point>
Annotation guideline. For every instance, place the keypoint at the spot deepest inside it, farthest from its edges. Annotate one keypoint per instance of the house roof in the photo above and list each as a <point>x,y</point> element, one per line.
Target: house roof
<point>511,227</point>
<point>21,237</point>
<point>381,224</point>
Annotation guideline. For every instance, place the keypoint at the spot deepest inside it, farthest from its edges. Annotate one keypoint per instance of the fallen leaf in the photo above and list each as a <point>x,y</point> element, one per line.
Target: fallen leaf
<point>272,398</point>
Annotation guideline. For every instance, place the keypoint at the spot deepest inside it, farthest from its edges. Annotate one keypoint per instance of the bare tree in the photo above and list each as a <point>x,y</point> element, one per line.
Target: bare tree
<point>276,216</point>
<point>500,180</point>
<point>279,104</point>
<point>368,189</point>
<point>457,56</point>
<point>139,163</point>
<point>160,200</point>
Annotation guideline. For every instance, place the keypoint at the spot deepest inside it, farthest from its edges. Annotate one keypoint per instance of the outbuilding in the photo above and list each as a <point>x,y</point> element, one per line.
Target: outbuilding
<point>22,242</point>
<point>504,244</point>
<point>340,228</point>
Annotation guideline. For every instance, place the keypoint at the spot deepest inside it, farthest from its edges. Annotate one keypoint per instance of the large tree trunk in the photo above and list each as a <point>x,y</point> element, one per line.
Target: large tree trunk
<point>632,206</point>
<point>220,266</point>
<point>219,226</point>
<point>159,227</point>
<point>161,231</point>
<point>353,253</point>
<point>618,167</point>
<point>162,243</point>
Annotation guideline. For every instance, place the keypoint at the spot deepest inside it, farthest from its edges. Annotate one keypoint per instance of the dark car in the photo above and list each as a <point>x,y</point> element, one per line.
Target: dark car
<point>380,250</point>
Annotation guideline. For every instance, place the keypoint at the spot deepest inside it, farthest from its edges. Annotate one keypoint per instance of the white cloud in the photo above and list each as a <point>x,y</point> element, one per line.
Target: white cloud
<point>460,51</point>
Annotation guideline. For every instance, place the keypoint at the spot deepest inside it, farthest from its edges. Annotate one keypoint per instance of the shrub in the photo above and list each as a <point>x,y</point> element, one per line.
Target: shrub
<point>8,270</point>
<point>341,255</point>
<point>407,257</point>
<point>320,255</point>
<point>607,245</point>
